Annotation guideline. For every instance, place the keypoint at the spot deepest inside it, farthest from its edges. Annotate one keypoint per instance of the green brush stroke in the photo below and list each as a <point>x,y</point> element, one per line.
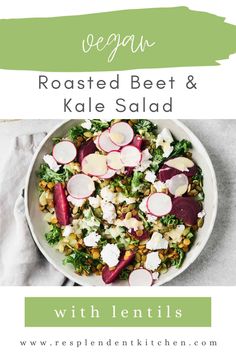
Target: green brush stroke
<point>184,38</point>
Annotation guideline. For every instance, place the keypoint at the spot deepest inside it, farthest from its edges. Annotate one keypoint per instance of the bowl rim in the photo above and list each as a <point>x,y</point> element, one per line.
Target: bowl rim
<point>82,281</point>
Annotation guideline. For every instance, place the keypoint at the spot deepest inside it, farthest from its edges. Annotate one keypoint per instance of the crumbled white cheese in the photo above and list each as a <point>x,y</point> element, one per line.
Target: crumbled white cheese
<point>130,224</point>
<point>110,255</point>
<point>176,234</point>
<point>145,161</point>
<point>109,211</point>
<point>164,139</point>
<point>153,261</point>
<point>48,217</point>
<point>157,242</point>
<point>155,275</point>
<point>107,194</point>
<point>51,162</point>
<point>150,176</point>
<point>68,230</point>
<point>143,205</point>
<point>76,202</point>
<point>92,239</point>
<point>201,214</point>
<point>87,124</point>
<point>160,186</point>
<point>95,202</point>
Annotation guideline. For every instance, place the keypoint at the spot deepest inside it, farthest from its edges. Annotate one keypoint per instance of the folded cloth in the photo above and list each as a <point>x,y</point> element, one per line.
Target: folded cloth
<point>21,262</point>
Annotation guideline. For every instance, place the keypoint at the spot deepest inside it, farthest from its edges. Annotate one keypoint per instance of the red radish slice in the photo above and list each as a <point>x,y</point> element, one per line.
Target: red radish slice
<point>61,204</point>
<point>105,142</point>
<point>159,204</point>
<point>87,148</point>
<point>140,277</point>
<point>110,173</point>
<point>180,163</point>
<point>121,133</point>
<point>130,156</point>
<point>178,185</point>
<point>64,152</point>
<point>94,165</point>
<point>114,160</point>
<point>80,186</point>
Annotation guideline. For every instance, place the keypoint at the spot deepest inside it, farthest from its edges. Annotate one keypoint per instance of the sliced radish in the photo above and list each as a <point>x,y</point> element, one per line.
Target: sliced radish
<point>64,152</point>
<point>80,186</point>
<point>121,133</point>
<point>159,204</point>
<point>140,277</point>
<point>94,165</point>
<point>110,173</point>
<point>114,160</point>
<point>180,163</point>
<point>105,143</point>
<point>130,156</point>
<point>178,185</point>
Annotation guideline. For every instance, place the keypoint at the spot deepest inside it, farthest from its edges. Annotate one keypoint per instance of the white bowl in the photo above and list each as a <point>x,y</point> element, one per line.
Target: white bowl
<point>38,226</point>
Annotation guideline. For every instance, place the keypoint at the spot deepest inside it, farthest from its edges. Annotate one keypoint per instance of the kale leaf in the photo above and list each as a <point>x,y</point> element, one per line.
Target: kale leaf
<point>144,126</point>
<point>48,175</point>
<point>180,148</point>
<point>98,125</point>
<point>170,220</point>
<point>81,261</point>
<point>54,235</point>
<point>179,261</point>
<point>157,159</point>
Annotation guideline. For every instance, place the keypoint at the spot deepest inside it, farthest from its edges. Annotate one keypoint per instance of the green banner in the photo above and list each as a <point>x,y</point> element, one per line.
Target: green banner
<point>119,40</point>
<point>117,312</point>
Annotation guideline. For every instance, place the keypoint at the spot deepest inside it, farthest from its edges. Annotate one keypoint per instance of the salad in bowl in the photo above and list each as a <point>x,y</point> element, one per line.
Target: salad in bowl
<point>123,199</point>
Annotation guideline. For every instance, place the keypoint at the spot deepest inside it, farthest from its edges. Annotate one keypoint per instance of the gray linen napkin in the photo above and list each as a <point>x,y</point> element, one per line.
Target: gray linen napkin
<point>21,263</point>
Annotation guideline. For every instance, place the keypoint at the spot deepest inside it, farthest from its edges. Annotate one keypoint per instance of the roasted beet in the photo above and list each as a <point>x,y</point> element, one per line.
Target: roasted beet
<point>61,205</point>
<point>186,209</point>
<point>108,276</point>
<point>85,149</point>
<point>167,172</point>
<point>138,142</point>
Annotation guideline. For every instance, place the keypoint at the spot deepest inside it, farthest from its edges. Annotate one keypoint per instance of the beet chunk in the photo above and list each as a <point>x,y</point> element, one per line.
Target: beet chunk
<point>138,142</point>
<point>61,205</point>
<point>186,208</point>
<point>88,147</point>
<point>108,276</point>
<point>167,172</point>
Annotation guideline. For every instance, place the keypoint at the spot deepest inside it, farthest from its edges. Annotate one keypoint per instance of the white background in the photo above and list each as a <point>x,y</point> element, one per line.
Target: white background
<point>215,97</point>
<point>222,330</point>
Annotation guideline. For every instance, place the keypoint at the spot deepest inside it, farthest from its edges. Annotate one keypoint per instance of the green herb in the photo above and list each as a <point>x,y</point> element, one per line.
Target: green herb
<point>81,261</point>
<point>98,125</point>
<point>147,225</point>
<point>170,220</point>
<point>138,184</point>
<point>124,274</point>
<point>157,159</point>
<point>54,235</point>
<point>75,132</point>
<point>179,261</point>
<point>56,140</point>
<point>180,148</point>
<point>144,126</point>
<point>118,182</point>
<point>48,175</point>
<point>198,177</point>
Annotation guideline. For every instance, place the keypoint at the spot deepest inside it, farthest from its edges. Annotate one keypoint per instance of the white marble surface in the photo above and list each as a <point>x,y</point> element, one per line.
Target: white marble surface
<point>217,263</point>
